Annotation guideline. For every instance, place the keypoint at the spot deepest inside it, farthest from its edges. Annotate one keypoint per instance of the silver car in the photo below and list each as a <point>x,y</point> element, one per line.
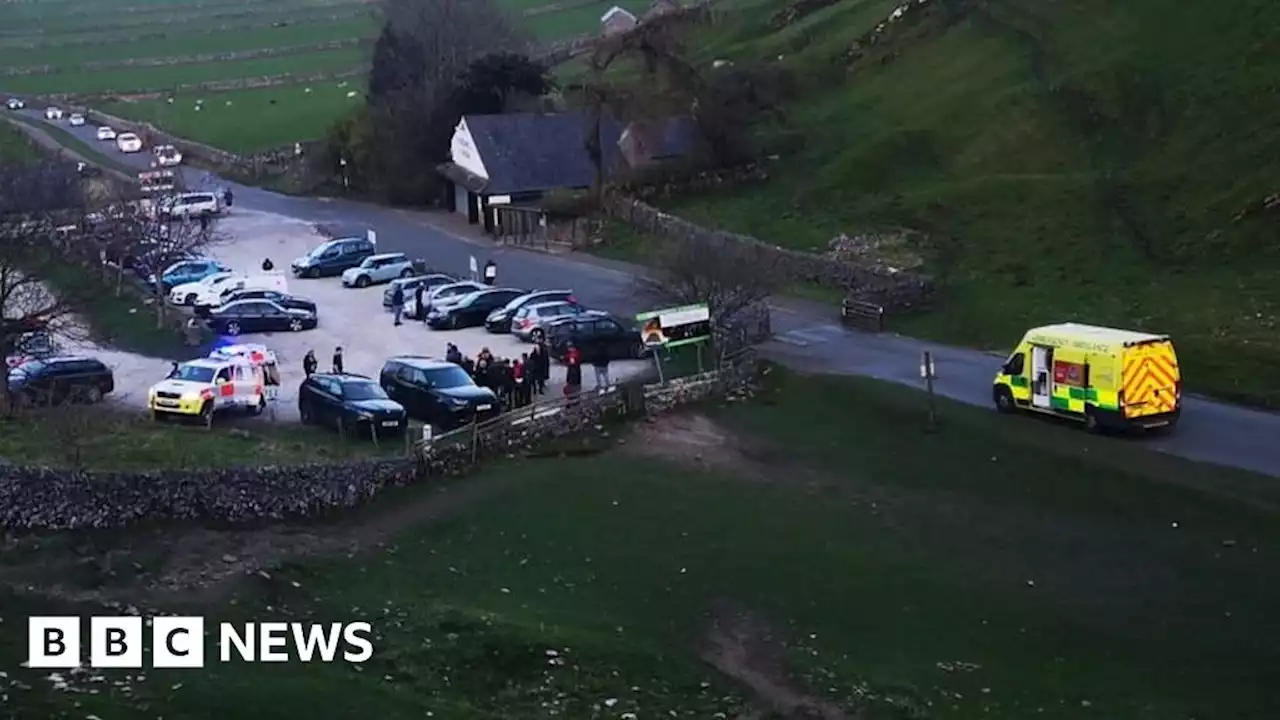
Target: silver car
<point>442,295</point>
<point>527,322</point>
<point>381,268</point>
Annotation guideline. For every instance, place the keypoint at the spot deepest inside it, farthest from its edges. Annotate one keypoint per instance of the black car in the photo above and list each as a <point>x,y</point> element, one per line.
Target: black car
<point>410,284</point>
<point>354,403</point>
<point>284,300</point>
<point>472,310</point>
<point>437,392</point>
<point>499,321</point>
<point>333,257</point>
<point>54,380</point>
<point>595,335</point>
<point>255,316</point>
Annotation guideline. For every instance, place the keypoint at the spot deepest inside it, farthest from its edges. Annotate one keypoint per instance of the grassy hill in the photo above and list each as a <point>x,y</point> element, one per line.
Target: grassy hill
<point>1076,159</point>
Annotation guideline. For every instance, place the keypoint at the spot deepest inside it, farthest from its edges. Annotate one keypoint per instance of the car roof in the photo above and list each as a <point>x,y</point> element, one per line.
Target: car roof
<point>534,306</point>
<point>344,377</point>
<point>212,363</point>
<point>421,362</point>
<point>66,358</point>
<point>585,315</point>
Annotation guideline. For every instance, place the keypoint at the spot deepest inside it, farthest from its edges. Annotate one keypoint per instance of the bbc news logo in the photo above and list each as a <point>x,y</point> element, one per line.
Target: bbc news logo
<point>179,642</point>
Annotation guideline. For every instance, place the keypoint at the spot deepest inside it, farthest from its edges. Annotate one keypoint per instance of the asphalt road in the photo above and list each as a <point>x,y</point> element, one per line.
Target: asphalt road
<point>808,337</point>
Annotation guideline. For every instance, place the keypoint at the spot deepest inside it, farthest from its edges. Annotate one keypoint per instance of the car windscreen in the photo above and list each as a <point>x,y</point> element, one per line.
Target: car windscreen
<point>449,377</point>
<point>194,373</point>
<point>193,199</point>
<point>362,391</point>
<point>320,250</point>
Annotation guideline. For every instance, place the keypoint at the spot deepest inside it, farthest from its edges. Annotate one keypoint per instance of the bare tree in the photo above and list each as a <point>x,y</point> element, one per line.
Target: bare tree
<point>39,207</point>
<point>135,236</point>
<point>734,278</point>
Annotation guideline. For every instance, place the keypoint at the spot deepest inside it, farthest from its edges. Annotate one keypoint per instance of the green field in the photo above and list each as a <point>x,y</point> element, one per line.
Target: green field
<point>65,36</point>
<point>15,147</point>
<point>814,542</point>
<point>281,115</point>
<point>1087,161</point>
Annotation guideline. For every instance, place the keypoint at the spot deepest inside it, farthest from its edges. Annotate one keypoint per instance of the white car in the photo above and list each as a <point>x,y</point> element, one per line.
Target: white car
<point>167,156</point>
<point>106,133</point>
<point>15,104</point>
<point>128,143</point>
<point>53,113</point>
<point>189,205</point>
<point>208,290</point>
<point>76,120</point>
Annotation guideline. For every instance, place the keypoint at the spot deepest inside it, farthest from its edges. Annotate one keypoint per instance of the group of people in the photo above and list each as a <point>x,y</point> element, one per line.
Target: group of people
<point>515,381</point>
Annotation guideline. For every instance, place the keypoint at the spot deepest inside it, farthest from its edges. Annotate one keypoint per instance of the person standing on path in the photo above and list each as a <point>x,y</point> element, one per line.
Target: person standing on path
<point>572,371</point>
<point>418,292</point>
<point>337,360</point>
<point>490,272</point>
<point>540,373</point>
<point>309,363</point>
<point>397,302</point>
<point>227,197</point>
<point>600,363</point>
<point>267,265</point>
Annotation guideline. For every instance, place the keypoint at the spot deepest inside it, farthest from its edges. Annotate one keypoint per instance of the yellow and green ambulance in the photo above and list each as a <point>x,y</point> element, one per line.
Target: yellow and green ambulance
<point>1103,377</point>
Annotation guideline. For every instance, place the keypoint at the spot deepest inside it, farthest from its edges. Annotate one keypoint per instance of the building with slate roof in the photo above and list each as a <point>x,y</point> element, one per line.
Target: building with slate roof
<point>516,158</point>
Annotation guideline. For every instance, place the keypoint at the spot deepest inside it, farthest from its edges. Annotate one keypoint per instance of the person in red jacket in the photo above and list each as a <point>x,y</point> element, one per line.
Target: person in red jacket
<point>518,373</point>
<point>573,370</point>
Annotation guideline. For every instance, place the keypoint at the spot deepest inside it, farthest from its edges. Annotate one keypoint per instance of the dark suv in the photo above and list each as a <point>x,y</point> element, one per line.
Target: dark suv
<point>596,335</point>
<point>437,392</point>
<point>333,257</point>
<point>54,380</point>
<point>353,403</point>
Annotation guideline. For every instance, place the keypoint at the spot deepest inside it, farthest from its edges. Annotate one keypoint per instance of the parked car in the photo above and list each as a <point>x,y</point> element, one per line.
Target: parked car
<point>15,104</point>
<point>381,268</point>
<point>76,120</point>
<point>167,156</point>
<point>442,295</point>
<point>128,143</point>
<point>594,334</point>
<point>355,404</point>
<point>207,286</point>
<point>257,316</point>
<point>55,380</point>
<point>53,112</point>
<point>186,271</point>
<point>529,321</point>
<point>471,309</point>
<point>106,133</point>
<point>437,392</point>
<point>499,321</point>
<point>279,297</point>
<point>410,284</point>
<point>189,205</point>
<point>333,257</point>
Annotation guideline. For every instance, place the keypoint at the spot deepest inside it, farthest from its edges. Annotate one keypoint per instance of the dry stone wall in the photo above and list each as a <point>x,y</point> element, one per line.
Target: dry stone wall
<point>41,498</point>
<point>896,290</point>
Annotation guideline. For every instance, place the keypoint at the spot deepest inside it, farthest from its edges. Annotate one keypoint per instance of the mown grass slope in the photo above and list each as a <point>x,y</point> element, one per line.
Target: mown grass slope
<point>1088,160</point>
<point>1000,568</point>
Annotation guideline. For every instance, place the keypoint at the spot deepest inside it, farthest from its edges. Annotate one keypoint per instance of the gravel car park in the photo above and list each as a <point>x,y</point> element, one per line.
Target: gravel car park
<point>351,318</point>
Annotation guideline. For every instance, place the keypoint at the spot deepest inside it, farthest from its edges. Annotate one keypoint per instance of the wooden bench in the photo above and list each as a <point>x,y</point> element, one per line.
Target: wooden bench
<point>860,313</point>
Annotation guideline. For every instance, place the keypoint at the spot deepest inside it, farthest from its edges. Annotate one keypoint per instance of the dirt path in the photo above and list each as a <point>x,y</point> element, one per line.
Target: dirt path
<point>741,647</point>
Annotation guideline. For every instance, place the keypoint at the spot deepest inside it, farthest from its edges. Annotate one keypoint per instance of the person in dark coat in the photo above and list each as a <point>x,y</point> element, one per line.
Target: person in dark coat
<point>600,363</point>
<point>538,369</point>
<point>418,292</point>
<point>309,363</point>
<point>397,302</point>
<point>481,374</point>
<point>227,197</point>
<point>453,354</point>
<point>490,272</point>
<point>337,360</point>
<point>469,366</point>
<point>267,265</point>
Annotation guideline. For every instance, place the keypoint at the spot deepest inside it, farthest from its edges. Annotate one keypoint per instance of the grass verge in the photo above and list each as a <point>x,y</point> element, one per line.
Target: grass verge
<point>110,440</point>
<point>999,568</point>
<point>73,144</point>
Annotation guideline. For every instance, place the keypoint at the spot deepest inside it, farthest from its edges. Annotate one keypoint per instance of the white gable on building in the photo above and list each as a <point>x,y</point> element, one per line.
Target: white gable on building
<point>463,151</point>
<point>617,12</point>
